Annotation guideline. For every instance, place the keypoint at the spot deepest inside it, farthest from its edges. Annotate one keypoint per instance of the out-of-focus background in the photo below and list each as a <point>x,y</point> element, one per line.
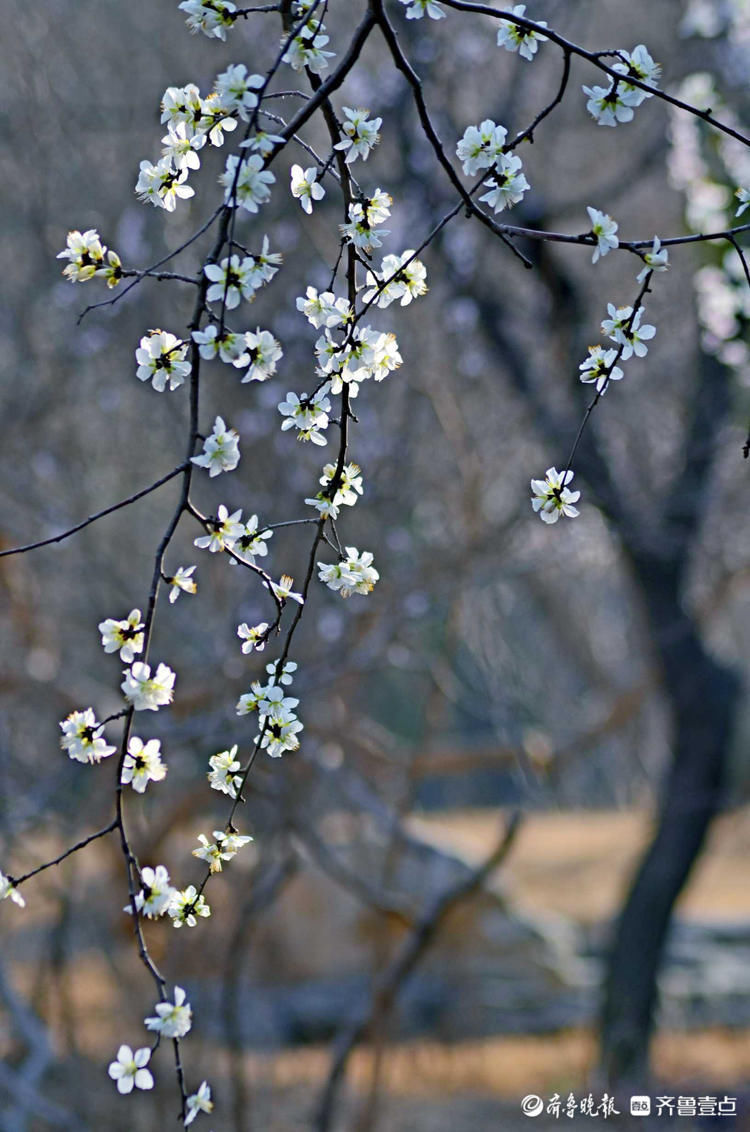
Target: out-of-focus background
<point>590,676</point>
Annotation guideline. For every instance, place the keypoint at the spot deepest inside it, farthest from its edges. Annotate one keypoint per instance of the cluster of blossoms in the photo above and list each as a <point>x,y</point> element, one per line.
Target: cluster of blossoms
<point>361,134</point>
<point>277,721</point>
<point>192,121</point>
<point>617,102</point>
<point>161,360</point>
<point>481,147</point>
<point>353,574</point>
<point>86,258</point>
<point>551,497</point>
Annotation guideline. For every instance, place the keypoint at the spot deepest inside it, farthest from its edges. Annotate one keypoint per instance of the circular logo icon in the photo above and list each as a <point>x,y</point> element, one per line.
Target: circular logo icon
<point>532,1105</point>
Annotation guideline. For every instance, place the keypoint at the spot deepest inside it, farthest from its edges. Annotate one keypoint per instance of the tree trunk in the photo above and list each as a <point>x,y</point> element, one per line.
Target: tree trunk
<point>703,695</point>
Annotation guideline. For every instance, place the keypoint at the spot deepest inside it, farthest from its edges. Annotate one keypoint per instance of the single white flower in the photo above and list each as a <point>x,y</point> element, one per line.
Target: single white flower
<point>212,17</point>
<point>252,182</point>
<point>236,90</point>
<point>224,530</point>
<point>181,582</point>
<point>417,9</point>
<point>173,1020</point>
<point>606,105</point>
<point>624,328</point>
<point>231,280</point>
<point>508,184</point>
<point>513,37</point>
<point>262,351</point>
<point>81,740</point>
<point>156,895</point>
<point>655,260</point>
<point>250,542</point>
<point>161,360</point>
<point>221,452</point>
<point>305,187</point>
<point>253,636</point>
<point>125,636</point>
<point>162,184</point>
<point>130,1069</point>
<point>361,134</point>
<point>9,890</point>
<point>146,692</point>
<point>603,228</point>
<point>283,590</point>
<point>142,764</point>
<point>199,1102</point>
<point>743,196</point>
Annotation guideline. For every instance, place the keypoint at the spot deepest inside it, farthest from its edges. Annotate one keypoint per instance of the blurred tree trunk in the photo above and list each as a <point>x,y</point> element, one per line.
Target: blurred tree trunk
<point>703,697</point>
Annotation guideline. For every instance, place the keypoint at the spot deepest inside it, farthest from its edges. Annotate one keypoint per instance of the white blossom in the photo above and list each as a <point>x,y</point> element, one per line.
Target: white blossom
<point>8,890</point>
<point>636,64</point>
<point>308,415</point>
<point>305,187</point>
<point>129,1070</point>
<point>212,17</point>
<point>142,764</point>
<point>607,106</point>
<point>156,895</point>
<point>80,738</point>
<point>161,360</point>
<point>262,351</point>
<point>253,180</point>
<point>552,498</point>
<point>515,38</point>
<point>250,542</point>
<point>507,185</point>
<point>655,260</point>
<point>187,906</point>
<point>324,309</point>
<point>233,278</point>
<point>253,636</point>
<point>181,582</point>
<point>173,1020</point>
<point>162,184</point>
<point>353,574</point>
<point>123,636</point>
<point>282,590</point>
<point>224,848</point>
<point>603,227</point>
<point>361,134</point>
<point>599,367</point>
<point>417,9</point>
<point>85,254</point>
<point>236,90</point>
<point>481,146</point>
<point>221,452</point>
<point>223,774</point>
<point>305,52</point>
<point>198,1102</point>
<point>181,145</point>
<point>146,692</point>
<point>624,328</point>
<point>223,531</point>
<point>400,277</point>
<point>743,196</point>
